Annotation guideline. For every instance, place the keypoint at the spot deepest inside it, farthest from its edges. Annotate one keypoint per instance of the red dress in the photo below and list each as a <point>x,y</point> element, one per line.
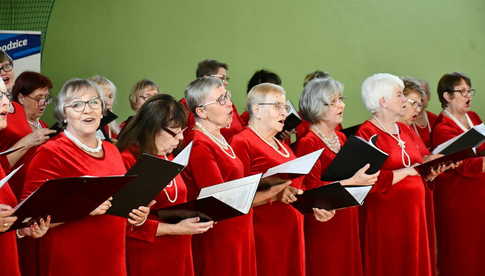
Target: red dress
<point>17,128</point>
<point>94,245</point>
<point>244,118</point>
<point>395,236</point>
<point>425,132</point>
<point>278,227</point>
<point>228,133</point>
<point>147,254</point>
<point>332,247</point>
<point>228,248</point>
<point>459,195</point>
<point>9,262</point>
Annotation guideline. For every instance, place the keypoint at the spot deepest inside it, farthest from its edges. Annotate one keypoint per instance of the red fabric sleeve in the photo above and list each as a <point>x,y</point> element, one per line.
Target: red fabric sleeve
<point>146,232</point>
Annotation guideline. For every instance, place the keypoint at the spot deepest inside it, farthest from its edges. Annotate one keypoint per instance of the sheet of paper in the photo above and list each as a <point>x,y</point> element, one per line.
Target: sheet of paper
<point>10,150</point>
<point>7,178</point>
<point>359,193</point>
<point>238,194</point>
<point>183,157</point>
<point>292,109</point>
<point>300,165</point>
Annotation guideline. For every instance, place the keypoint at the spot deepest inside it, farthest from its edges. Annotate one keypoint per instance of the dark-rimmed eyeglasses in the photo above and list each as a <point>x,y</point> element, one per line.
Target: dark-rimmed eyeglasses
<point>279,106</point>
<point>464,92</point>
<point>80,106</point>
<point>222,99</point>
<point>41,100</point>
<point>172,133</point>
<point>8,67</point>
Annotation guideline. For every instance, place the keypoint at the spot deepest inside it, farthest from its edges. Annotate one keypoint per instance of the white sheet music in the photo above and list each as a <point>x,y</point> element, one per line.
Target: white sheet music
<point>12,149</point>
<point>300,165</point>
<point>238,194</point>
<point>359,193</point>
<point>7,178</point>
<point>480,128</point>
<point>292,109</point>
<point>183,157</point>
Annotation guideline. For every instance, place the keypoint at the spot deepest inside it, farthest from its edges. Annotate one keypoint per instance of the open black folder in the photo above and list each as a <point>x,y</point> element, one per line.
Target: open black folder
<point>425,168</point>
<point>108,117</point>
<point>292,120</point>
<point>154,174</point>
<point>472,138</point>
<point>217,202</point>
<point>355,154</point>
<point>349,131</point>
<point>330,197</point>
<point>66,199</point>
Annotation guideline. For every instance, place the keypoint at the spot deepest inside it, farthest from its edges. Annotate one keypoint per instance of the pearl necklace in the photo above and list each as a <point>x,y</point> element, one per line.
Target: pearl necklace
<point>172,183</point>
<point>35,124</point>
<point>221,142</point>
<point>78,143</point>
<point>405,158</point>
<point>332,142</point>
<point>457,122</point>
<point>285,154</point>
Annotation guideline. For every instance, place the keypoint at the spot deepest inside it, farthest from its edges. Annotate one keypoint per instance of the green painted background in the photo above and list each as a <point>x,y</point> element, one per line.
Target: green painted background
<point>163,40</point>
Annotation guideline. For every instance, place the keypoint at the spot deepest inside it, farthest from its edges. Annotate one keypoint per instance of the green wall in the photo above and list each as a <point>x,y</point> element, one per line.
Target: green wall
<point>163,41</point>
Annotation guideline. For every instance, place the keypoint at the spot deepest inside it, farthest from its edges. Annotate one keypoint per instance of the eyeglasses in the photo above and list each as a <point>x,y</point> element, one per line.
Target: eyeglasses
<point>222,99</point>
<point>340,99</point>
<point>279,106</point>
<point>464,92</point>
<point>41,100</point>
<point>79,106</point>
<point>172,132</point>
<point>6,95</point>
<point>221,77</point>
<point>7,67</point>
<point>414,103</point>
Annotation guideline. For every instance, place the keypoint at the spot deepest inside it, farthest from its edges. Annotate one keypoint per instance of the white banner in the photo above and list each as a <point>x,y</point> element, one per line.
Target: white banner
<point>24,47</point>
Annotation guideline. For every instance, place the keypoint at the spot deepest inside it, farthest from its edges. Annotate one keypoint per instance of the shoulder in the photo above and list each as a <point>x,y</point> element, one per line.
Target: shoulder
<point>474,117</point>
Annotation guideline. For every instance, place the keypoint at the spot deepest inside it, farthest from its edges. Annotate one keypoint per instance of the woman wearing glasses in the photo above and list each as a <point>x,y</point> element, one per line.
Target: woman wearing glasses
<point>30,95</point>
<point>157,129</point>
<point>332,248</point>
<point>228,248</point>
<point>459,193</point>
<point>278,226</point>
<point>6,70</point>
<point>94,245</point>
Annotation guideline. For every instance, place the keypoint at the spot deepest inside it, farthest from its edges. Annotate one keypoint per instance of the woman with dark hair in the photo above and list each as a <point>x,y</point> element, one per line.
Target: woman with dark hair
<point>30,95</point>
<point>157,129</point>
<point>459,193</point>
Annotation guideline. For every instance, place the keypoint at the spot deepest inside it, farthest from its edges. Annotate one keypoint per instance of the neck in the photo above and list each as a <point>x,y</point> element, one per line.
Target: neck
<point>325,128</point>
<point>210,127</point>
<point>89,140</point>
<point>421,119</point>
<point>263,131</point>
<point>455,112</point>
<point>385,120</point>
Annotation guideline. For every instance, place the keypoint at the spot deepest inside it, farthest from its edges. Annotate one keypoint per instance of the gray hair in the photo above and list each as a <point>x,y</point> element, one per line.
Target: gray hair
<point>198,91</point>
<point>68,90</point>
<point>259,92</point>
<point>103,81</point>
<point>316,96</point>
<point>379,86</point>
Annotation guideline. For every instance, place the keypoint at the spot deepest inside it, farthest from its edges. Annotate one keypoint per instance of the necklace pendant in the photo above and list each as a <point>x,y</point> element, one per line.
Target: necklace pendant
<point>402,144</point>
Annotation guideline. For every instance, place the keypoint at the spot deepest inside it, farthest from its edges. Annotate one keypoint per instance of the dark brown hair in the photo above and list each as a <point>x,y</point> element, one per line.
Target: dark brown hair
<point>28,82</point>
<point>209,67</point>
<point>447,83</point>
<point>158,112</point>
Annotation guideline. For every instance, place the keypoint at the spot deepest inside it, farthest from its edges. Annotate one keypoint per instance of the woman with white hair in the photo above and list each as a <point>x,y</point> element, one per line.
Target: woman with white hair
<point>278,226</point>
<point>108,89</point>
<point>94,245</point>
<point>332,248</point>
<point>228,248</point>
<point>395,235</point>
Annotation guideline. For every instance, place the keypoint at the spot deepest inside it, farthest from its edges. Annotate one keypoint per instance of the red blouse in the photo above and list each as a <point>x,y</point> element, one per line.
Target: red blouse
<point>425,132</point>
<point>395,235</point>
<point>94,245</point>
<point>17,128</point>
<point>147,254</point>
<point>228,248</point>
<point>9,262</point>
<point>278,227</point>
<point>332,247</point>
<point>459,195</point>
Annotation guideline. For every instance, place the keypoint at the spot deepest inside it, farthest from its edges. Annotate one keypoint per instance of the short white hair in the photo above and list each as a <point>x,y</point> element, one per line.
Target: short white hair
<point>378,86</point>
<point>260,92</point>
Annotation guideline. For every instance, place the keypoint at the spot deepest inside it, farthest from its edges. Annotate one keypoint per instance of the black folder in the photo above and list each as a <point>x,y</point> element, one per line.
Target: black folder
<point>472,138</point>
<point>58,127</point>
<point>425,168</point>
<point>66,199</point>
<point>355,154</point>
<point>349,131</point>
<point>329,197</point>
<point>154,174</point>
<point>270,181</point>
<point>291,121</point>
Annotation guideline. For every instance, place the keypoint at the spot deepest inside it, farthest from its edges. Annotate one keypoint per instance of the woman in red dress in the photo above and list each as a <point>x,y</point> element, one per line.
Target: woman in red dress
<point>395,235</point>
<point>30,95</point>
<point>9,261</point>
<point>228,248</point>
<point>94,245</point>
<point>157,246</point>
<point>332,248</point>
<point>111,130</point>
<point>278,226</point>
<point>459,193</point>
<point>140,93</point>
